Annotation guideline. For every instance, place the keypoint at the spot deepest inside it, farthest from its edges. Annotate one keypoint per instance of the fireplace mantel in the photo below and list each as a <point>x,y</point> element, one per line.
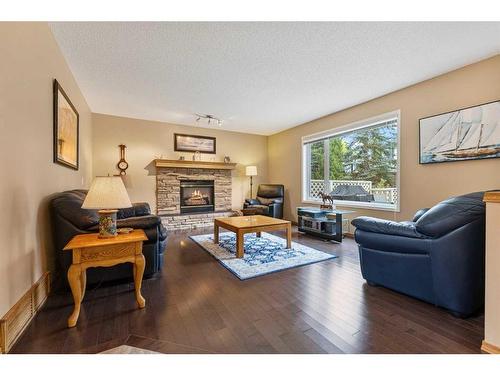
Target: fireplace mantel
<point>166,163</point>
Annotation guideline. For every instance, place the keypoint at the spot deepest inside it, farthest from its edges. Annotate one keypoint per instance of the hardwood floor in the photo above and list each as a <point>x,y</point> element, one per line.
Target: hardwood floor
<point>196,306</point>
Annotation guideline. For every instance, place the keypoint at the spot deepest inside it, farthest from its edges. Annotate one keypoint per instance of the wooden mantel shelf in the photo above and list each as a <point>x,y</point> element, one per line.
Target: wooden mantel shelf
<point>166,163</point>
<point>492,197</point>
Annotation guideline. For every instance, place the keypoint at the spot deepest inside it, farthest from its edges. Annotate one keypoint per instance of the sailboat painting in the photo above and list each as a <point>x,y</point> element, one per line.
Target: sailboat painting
<point>466,134</point>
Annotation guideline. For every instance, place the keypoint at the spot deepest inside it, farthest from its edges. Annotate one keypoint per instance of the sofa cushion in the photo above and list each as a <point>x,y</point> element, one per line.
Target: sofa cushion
<point>139,222</point>
<point>419,214</point>
<point>260,208</point>
<point>124,213</point>
<point>265,201</point>
<point>141,209</point>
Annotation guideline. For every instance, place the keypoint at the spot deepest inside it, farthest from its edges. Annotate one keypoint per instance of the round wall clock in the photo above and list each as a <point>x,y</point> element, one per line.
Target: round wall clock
<point>122,164</point>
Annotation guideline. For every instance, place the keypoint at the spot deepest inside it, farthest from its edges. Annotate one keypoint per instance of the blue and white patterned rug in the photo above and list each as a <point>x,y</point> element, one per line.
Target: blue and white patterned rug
<point>262,255</point>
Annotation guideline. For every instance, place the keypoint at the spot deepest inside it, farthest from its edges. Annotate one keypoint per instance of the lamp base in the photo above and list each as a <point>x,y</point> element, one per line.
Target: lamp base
<point>107,223</point>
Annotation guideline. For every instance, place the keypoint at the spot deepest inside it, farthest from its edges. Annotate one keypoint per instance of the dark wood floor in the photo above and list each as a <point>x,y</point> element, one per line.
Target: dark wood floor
<point>196,306</point>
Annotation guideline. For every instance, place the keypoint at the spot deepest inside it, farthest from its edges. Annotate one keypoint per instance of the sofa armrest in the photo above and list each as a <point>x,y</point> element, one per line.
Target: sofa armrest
<point>394,228</point>
<point>252,202</point>
<point>276,210</point>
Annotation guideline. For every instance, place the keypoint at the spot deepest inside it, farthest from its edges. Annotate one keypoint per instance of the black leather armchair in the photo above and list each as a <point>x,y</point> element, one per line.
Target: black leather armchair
<point>69,219</point>
<point>437,257</point>
<point>269,200</point>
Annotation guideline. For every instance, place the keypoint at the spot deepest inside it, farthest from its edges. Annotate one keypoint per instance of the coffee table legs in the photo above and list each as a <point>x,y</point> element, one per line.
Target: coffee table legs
<point>216,233</point>
<point>239,244</point>
<point>240,248</point>
<point>289,236</point>
<point>239,240</point>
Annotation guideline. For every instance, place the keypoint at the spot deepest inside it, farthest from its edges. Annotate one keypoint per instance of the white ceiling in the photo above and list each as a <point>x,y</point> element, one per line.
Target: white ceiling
<point>259,77</point>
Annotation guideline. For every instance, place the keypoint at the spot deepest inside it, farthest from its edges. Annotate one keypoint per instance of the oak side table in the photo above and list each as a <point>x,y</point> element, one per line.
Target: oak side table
<point>91,251</point>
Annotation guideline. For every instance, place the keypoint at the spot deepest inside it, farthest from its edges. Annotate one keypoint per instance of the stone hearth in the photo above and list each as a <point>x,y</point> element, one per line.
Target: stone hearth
<point>168,187</point>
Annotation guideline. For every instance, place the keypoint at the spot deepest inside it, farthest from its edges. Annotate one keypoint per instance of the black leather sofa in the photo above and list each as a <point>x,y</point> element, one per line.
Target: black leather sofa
<point>69,219</point>
<point>437,257</point>
<point>269,201</point>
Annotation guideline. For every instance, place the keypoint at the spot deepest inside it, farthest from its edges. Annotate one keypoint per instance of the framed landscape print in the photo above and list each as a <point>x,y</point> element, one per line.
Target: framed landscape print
<point>193,143</point>
<point>467,134</point>
<point>66,123</point>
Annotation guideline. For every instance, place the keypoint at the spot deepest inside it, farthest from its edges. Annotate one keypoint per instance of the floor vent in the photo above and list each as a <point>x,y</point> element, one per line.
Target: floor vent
<point>14,322</point>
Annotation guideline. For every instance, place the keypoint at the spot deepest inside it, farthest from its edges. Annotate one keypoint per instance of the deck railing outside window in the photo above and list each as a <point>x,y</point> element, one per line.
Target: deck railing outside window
<point>381,195</point>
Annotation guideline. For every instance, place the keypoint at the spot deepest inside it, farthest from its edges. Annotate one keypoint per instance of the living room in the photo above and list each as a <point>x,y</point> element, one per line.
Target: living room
<point>218,188</point>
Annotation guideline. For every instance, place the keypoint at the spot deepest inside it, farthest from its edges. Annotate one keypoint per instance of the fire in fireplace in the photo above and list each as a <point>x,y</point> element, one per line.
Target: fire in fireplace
<point>197,196</point>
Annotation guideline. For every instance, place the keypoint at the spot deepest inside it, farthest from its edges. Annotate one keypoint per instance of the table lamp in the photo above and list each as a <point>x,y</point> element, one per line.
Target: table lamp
<point>251,171</point>
<point>107,194</point>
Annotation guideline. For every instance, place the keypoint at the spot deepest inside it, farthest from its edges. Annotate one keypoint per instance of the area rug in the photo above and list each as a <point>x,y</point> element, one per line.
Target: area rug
<point>127,349</point>
<point>263,255</point>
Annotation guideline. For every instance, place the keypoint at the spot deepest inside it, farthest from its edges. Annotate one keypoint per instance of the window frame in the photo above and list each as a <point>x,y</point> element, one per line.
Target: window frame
<point>357,125</point>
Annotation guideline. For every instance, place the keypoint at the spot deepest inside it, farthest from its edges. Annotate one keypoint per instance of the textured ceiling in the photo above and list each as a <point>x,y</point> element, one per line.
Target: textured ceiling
<point>259,77</point>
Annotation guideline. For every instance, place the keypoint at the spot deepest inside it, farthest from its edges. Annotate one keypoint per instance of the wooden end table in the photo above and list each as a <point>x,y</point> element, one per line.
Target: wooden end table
<point>91,251</point>
<point>251,224</point>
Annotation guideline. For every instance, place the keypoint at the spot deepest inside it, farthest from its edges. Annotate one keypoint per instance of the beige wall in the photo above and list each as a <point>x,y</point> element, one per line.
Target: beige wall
<point>421,185</point>
<point>30,60</point>
<point>147,139</point>
<point>492,300</point>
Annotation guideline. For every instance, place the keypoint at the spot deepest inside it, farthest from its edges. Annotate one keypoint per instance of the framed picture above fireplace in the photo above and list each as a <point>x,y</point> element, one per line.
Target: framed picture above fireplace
<point>193,143</point>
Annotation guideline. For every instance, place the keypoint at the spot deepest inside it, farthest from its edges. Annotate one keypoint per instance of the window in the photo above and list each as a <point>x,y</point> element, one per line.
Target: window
<point>357,164</point>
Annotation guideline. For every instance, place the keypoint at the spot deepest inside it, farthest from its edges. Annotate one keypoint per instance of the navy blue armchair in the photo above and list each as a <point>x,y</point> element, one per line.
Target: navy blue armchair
<point>437,257</point>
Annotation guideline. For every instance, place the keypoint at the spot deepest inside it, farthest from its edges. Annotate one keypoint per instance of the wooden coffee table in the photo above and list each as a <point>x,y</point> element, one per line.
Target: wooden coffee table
<point>251,224</point>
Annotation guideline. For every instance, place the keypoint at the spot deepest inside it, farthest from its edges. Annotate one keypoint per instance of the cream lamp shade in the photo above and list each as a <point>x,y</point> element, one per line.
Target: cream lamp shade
<point>251,170</point>
<point>107,193</point>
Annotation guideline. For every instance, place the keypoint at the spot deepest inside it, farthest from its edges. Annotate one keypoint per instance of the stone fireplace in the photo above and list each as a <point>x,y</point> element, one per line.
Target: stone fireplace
<point>190,194</point>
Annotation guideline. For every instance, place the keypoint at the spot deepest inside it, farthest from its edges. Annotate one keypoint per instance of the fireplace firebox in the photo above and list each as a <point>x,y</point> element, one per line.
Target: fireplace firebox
<point>197,196</point>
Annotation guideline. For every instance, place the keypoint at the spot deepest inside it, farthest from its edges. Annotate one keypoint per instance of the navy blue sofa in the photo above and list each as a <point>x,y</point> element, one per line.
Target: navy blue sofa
<point>437,257</point>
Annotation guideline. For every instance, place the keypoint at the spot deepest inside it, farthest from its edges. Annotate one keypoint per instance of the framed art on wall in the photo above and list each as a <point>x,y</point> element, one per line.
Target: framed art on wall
<point>193,143</point>
<point>466,134</point>
<point>66,127</point>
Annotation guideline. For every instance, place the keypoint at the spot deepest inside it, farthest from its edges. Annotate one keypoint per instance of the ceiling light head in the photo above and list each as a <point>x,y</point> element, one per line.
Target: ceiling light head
<point>208,119</point>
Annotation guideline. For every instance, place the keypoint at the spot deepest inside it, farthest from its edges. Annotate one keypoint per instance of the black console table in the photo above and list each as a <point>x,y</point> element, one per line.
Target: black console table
<point>322,223</point>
